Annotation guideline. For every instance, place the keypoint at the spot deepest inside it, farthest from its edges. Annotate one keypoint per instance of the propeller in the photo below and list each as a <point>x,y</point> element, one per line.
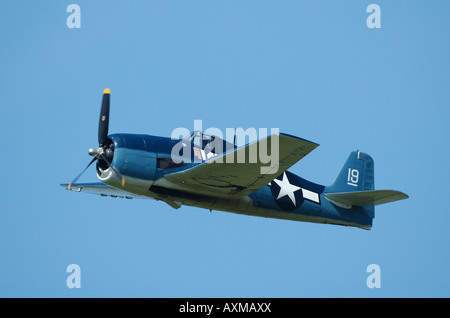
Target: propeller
<point>104,153</point>
<point>77,177</point>
<point>103,123</point>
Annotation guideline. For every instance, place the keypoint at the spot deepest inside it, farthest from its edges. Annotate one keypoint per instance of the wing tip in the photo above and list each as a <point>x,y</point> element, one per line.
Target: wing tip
<point>301,139</point>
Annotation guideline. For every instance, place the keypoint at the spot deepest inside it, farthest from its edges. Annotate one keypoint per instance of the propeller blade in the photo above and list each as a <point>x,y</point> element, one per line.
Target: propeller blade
<point>104,118</point>
<point>77,177</point>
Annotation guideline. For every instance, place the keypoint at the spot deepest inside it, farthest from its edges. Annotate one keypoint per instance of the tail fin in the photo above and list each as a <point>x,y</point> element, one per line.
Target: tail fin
<point>355,186</point>
<point>356,175</point>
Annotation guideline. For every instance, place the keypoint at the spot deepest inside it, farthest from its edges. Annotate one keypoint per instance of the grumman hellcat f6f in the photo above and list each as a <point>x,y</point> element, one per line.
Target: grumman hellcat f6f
<point>208,172</point>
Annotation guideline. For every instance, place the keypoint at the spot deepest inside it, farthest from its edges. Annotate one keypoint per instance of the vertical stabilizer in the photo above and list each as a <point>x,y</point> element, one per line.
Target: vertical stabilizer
<point>357,174</point>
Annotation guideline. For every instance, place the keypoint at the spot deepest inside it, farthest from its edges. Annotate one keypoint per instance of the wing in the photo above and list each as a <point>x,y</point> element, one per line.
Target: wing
<point>101,189</point>
<point>105,190</point>
<point>239,170</point>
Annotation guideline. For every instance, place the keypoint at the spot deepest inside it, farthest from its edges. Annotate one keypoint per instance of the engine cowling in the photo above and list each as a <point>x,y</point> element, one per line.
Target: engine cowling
<point>134,156</point>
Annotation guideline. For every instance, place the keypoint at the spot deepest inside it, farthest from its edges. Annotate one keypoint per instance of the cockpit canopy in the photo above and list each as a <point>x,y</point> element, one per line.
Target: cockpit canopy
<point>209,143</point>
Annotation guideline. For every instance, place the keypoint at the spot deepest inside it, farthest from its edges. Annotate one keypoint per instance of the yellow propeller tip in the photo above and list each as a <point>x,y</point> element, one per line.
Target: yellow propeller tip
<point>123,181</point>
<point>106,91</point>
<point>69,187</point>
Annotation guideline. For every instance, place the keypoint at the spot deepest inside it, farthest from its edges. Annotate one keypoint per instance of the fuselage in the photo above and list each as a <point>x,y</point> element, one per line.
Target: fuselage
<point>145,159</point>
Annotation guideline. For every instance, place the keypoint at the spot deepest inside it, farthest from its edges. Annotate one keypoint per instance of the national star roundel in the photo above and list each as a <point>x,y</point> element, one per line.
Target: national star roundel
<point>287,191</point>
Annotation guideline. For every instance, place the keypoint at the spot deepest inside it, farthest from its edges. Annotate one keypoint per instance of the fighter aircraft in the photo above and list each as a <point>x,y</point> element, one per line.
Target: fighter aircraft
<point>143,166</point>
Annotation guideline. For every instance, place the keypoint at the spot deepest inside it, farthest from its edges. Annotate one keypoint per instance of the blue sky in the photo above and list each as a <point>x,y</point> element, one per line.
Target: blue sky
<point>310,68</point>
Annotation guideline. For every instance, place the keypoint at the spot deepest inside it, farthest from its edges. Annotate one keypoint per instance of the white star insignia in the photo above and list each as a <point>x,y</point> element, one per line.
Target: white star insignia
<point>289,189</point>
<point>286,188</point>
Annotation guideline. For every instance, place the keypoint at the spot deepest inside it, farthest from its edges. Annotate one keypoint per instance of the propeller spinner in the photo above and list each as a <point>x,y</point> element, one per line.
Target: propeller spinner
<point>104,153</point>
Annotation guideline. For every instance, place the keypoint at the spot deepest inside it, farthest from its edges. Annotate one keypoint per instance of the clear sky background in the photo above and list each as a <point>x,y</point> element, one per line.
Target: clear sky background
<point>310,68</point>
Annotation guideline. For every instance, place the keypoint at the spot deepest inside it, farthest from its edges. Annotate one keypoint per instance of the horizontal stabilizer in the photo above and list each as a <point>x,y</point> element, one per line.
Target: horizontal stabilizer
<point>364,198</point>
